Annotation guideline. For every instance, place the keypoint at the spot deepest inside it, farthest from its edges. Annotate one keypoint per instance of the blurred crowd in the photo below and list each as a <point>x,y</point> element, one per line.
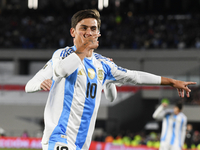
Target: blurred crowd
<point>194,99</point>
<point>152,139</point>
<point>48,29</point>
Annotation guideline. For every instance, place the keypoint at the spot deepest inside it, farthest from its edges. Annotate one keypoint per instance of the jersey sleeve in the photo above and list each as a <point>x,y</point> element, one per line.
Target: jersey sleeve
<point>64,64</point>
<point>159,113</point>
<point>33,85</point>
<point>120,75</point>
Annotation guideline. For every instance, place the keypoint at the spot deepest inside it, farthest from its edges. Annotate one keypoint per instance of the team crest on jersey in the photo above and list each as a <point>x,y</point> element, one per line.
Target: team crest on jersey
<point>91,73</point>
<point>100,74</point>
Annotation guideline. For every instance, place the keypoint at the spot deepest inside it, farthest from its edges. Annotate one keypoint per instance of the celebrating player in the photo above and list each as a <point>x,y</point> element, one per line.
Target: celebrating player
<point>78,79</point>
<point>173,126</point>
<point>43,79</point>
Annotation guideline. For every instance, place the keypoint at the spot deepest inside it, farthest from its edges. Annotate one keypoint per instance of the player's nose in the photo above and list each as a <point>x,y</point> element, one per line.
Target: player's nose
<point>88,32</point>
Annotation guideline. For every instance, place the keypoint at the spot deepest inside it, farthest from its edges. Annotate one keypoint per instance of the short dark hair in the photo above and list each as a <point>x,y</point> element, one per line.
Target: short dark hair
<point>83,14</point>
<point>179,105</point>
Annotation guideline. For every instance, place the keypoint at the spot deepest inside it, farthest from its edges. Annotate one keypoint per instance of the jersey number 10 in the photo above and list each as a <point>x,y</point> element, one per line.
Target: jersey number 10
<point>91,90</point>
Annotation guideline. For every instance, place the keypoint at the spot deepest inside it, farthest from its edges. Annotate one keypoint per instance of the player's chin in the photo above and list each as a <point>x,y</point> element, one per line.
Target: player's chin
<point>97,44</point>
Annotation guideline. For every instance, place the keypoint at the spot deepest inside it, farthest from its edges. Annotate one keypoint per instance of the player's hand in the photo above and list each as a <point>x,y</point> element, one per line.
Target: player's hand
<point>46,85</point>
<point>85,43</point>
<point>164,104</point>
<point>182,87</point>
<point>110,59</point>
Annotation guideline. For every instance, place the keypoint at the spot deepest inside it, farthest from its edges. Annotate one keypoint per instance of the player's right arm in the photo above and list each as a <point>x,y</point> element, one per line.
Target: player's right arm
<point>160,112</point>
<point>65,66</point>
<point>42,79</point>
<point>84,47</point>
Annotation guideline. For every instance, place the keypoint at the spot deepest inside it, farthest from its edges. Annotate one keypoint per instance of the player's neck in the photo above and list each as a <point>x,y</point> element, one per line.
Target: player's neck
<point>90,53</point>
<point>177,113</point>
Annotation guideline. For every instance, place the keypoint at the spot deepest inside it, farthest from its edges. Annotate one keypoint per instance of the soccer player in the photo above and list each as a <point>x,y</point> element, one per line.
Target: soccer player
<point>43,79</point>
<point>173,126</point>
<point>78,80</point>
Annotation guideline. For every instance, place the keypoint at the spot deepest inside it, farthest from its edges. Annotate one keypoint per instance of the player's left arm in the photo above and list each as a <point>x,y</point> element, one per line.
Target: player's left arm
<point>144,78</point>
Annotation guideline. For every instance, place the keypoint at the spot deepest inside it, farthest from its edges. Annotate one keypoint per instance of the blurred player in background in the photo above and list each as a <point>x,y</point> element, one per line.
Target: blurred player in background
<point>189,136</point>
<point>78,79</point>
<point>173,126</point>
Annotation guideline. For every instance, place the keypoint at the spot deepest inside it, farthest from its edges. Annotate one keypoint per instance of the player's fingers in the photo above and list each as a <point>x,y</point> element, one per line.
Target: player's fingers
<point>188,94</point>
<point>82,37</point>
<point>43,87</point>
<point>189,83</point>
<point>110,59</point>
<point>182,93</point>
<point>49,82</point>
<point>179,93</point>
<point>96,35</point>
<point>47,85</point>
<point>187,89</point>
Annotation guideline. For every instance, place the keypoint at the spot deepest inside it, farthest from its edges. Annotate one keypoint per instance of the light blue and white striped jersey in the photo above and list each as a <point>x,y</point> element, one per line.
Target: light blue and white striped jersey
<point>173,127</point>
<point>74,98</point>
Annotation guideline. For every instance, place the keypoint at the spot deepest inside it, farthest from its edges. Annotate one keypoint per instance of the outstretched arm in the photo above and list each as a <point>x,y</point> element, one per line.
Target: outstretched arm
<point>125,76</point>
<point>181,86</point>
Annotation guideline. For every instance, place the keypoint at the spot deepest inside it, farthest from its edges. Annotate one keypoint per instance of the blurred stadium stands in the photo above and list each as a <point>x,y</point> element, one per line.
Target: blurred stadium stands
<point>134,25</point>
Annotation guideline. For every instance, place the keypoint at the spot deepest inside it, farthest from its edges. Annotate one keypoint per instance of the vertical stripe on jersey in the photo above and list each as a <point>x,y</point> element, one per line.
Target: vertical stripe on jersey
<point>63,120</point>
<point>53,81</point>
<point>108,74</point>
<point>166,129</point>
<point>173,130</point>
<point>91,88</point>
<point>180,133</point>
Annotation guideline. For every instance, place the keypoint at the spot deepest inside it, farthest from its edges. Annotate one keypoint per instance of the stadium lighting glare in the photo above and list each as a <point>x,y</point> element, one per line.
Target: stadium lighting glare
<point>100,4</point>
<point>33,4</point>
<point>105,3</point>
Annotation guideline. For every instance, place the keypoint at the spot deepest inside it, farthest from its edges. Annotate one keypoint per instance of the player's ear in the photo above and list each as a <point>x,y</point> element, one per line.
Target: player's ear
<point>72,32</point>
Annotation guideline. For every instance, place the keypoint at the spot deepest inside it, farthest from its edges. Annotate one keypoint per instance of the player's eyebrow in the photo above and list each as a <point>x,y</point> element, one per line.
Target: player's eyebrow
<point>88,26</point>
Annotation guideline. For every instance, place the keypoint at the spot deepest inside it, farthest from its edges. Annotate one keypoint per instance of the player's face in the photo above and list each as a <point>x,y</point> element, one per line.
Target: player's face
<point>176,110</point>
<point>86,27</point>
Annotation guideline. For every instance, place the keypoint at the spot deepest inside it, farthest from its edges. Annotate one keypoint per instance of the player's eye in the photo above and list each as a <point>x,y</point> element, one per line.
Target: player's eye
<point>94,29</point>
<point>83,28</point>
